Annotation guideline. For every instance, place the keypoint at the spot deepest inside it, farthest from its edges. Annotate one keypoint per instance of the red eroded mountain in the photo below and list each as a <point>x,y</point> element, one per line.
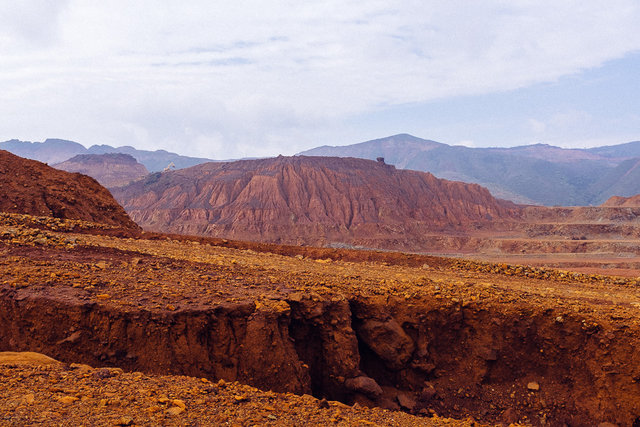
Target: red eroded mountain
<point>623,202</point>
<point>310,200</point>
<point>31,187</point>
<point>110,169</point>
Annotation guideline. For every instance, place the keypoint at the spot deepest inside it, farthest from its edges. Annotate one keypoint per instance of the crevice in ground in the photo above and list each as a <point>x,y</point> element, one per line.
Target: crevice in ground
<point>494,363</point>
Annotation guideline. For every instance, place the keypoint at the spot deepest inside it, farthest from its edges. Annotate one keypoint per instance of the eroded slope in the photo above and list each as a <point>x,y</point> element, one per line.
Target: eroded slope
<point>31,187</point>
<point>309,200</point>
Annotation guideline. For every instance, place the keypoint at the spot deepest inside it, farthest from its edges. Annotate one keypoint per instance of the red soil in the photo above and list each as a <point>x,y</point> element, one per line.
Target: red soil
<point>31,187</point>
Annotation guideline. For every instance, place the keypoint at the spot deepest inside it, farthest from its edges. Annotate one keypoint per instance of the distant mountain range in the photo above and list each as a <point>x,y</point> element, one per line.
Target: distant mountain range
<point>53,151</point>
<point>533,174</point>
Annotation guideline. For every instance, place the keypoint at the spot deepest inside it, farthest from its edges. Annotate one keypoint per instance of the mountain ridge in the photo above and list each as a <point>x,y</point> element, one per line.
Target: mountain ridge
<point>532,174</point>
<point>53,151</point>
<point>309,200</point>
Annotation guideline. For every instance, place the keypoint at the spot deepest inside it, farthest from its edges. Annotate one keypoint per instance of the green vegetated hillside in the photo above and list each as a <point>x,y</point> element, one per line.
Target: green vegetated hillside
<point>538,174</point>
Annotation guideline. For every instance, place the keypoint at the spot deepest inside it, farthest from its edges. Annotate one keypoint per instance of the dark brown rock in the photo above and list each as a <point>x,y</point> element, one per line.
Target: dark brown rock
<point>427,393</point>
<point>387,339</point>
<point>364,385</point>
<point>406,401</point>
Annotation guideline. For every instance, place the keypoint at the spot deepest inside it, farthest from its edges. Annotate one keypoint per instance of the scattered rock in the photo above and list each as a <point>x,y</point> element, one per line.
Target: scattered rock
<point>179,403</point>
<point>510,416</point>
<point>534,386</point>
<point>103,374</point>
<point>175,410</point>
<point>125,421</point>
<point>71,338</point>
<point>240,398</point>
<point>406,401</point>
<point>364,385</point>
<point>427,393</point>
<point>67,400</point>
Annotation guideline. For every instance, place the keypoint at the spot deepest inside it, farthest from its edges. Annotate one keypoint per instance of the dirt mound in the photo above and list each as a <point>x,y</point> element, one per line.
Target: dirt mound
<point>25,358</point>
<point>31,187</point>
<point>309,200</point>
<point>633,201</point>
<point>110,170</point>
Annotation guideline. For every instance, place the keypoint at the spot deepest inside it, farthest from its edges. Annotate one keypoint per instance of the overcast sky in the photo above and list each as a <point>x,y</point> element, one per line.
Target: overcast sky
<point>258,78</point>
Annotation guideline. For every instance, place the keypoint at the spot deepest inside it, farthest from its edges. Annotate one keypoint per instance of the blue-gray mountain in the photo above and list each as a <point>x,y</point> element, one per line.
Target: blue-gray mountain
<point>53,151</point>
<point>535,174</point>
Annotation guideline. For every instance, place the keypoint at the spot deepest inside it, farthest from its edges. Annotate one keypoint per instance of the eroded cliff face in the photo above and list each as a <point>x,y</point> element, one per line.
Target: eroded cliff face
<point>309,200</point>
<point>415,354</point>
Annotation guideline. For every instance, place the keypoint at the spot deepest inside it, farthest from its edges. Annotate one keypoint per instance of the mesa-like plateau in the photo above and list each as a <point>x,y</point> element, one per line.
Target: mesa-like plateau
<point>102,323</point>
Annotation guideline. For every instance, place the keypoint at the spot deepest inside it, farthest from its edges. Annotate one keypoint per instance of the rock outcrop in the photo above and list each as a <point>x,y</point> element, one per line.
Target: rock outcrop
<point>31,187</point>
<point>110,170</point>
<point>309,200</point>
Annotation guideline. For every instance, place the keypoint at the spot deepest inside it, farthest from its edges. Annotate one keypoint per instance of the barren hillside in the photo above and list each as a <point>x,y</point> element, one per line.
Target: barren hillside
<point>31,187</point>
<point>310,200</point>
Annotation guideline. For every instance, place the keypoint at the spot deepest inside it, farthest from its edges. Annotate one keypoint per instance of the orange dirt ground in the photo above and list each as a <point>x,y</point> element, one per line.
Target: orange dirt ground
<point>425,335</point>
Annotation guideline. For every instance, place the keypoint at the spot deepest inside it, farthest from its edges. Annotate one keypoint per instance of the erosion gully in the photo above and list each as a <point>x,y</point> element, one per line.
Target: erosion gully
<point>495,363</point>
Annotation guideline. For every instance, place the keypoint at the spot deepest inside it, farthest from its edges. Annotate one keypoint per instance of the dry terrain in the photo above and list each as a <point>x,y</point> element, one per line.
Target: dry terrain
<point>43,391</point>
<point>355,203</point>
<point>433,337</point>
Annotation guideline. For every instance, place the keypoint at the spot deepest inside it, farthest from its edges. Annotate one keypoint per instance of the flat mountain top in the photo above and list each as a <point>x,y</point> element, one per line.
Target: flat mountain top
<point>31,187</point>
<point>110,169</point>
<point>309,200</point>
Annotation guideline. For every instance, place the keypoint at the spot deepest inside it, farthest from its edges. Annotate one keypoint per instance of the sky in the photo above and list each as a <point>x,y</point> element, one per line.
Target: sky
<point>259,78</point>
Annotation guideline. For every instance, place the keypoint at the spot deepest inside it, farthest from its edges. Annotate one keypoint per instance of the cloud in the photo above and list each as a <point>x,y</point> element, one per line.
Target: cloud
<point>228,79</point>
<point>29,25</point>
